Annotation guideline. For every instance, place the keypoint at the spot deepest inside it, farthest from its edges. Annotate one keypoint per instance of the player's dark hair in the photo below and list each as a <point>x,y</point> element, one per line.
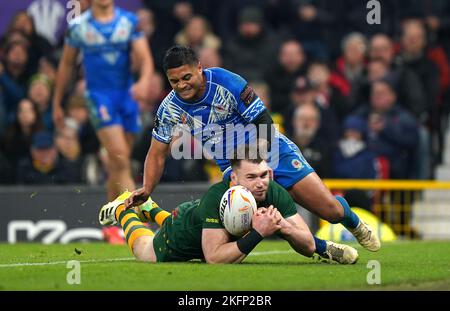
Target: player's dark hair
<point>179,55</point>
<point>249,153</point>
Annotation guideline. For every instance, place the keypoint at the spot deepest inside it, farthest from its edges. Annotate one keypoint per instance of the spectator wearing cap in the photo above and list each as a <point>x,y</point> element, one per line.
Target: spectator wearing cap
<point>392,131</point>
<point>249,53</point>
<point>304,92</point>
<point>46,166</point>
<point>291,63</point>
<point>351,158</point>
<point>40,92</point>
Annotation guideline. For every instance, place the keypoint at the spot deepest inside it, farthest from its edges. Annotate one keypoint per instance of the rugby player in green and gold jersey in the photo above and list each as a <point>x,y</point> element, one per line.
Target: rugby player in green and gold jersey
<point>194,230</point>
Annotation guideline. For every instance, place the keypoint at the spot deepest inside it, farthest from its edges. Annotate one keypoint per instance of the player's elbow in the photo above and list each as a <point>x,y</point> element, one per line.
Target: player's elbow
<point>212,259</point>
<point>215,259</point>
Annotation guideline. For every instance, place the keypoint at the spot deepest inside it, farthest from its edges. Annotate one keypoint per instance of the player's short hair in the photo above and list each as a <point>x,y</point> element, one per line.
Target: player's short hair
<point>249,153</point>
<point>179,55</point>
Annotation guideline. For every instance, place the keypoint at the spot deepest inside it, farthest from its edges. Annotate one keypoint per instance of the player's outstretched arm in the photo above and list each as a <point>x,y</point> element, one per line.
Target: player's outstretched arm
<point>63,76</point>
<point>217,247</point>
<point>153,169</point>
<point>297,233</point>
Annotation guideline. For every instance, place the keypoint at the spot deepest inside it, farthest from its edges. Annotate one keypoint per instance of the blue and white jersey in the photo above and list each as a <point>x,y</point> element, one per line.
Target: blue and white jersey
<point>105,47</point>
<point>228,102</point>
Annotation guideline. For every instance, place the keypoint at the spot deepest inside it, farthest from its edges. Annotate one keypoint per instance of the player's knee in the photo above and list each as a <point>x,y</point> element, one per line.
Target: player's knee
<point>119,161</point>
<point>334,210</point>
<point>143,250</point>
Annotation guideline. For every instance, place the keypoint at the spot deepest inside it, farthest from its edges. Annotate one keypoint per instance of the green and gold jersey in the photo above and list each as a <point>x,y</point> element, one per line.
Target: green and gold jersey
<point>180,238</point>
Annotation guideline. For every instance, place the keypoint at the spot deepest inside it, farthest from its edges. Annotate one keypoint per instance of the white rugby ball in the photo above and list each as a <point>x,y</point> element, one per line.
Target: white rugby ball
<point>236,210</point>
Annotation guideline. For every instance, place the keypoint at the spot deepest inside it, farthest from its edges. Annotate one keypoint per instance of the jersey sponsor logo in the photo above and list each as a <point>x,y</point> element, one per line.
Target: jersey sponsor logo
<point>199,109</point>
<point>104,114</point>
<point>175,213</point>
<point>212,220</point>
<point>248,95</point>
<point>297,164</point>
<point>184,118</point>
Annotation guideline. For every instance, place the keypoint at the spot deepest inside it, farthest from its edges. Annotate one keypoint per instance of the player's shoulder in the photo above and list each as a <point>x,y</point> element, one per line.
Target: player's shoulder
<point>168,110</point>
<point>127,14</point>
<point>276,190</point>
<point>169,99</point>
<point>80,20</point>
<point>217,190</point>
<point>226,78</point>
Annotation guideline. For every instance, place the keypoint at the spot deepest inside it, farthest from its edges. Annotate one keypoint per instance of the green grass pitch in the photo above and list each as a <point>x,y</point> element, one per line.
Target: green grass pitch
<point>271,266</point>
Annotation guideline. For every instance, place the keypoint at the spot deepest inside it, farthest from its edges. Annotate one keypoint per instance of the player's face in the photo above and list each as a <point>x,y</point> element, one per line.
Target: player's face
<point>102,3</point>
<point>187,81</point>
<point>253,176</point>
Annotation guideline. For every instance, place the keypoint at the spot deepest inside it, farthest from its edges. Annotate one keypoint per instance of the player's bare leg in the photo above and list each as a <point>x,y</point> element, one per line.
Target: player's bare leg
<point>118,145</point>
<point>312,194</point>
<point>138,236</point>
<point>143,249</point>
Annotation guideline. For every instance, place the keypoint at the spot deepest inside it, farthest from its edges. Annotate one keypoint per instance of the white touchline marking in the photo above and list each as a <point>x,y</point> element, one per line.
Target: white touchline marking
<point>270,253</point>
<point>63,262</point>
<point>51,263</point>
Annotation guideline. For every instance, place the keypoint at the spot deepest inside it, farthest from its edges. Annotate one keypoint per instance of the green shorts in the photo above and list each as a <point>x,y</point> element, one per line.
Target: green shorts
<point>161,242</point>
<point>179,239</point>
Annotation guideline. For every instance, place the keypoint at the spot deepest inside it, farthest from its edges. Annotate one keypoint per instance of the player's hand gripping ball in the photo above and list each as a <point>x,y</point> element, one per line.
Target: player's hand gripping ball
<point>236,210</point>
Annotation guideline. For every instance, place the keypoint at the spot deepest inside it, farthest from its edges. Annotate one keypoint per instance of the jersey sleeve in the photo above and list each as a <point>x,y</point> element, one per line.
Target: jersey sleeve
<point>283,201</point>
<point>73,37</point>
<point>210,206</point>
<point>136,31</point>
<point>163,125</point>
<point>249,105</point>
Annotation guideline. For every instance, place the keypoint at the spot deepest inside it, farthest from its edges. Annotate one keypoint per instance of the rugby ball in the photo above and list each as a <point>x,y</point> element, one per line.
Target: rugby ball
<point>236,210</point>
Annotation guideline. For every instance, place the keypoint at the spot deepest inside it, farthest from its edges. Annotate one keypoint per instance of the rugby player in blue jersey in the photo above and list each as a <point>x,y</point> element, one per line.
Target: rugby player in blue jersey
<point>215,96</point>
<point>107,36</point>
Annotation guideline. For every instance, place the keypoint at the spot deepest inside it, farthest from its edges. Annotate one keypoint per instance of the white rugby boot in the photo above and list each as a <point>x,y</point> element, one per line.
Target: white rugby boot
<point>340,253</point>
<point>366,237</point>
<point>107,214</point>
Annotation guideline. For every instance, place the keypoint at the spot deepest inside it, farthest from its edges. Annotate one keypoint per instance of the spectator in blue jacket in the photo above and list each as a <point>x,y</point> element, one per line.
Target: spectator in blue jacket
<point>352,159</point>
<point>392,131</point>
